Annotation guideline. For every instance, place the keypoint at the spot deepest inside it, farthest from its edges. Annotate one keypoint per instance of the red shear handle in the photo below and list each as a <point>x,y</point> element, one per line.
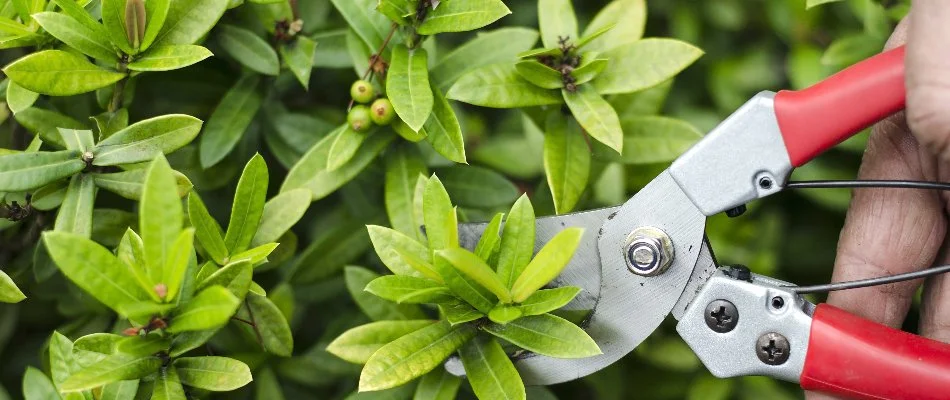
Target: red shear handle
<point>856,358</point>
<point>813,120</point>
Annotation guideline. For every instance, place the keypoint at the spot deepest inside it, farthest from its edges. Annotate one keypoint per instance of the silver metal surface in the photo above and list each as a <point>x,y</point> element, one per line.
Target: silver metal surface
<point>649,251</point>
<point>725,169</point>
<point>630,307</point>
<point>704,269</point>
<point>735,353</point>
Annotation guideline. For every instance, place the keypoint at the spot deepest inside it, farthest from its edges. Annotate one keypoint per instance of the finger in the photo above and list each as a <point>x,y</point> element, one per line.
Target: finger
<point>888,231</point>
<point>928,75</point>
<point>935,306</point>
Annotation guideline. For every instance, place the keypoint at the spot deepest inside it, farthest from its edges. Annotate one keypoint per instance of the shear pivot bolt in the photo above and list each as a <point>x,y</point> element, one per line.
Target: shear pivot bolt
<point>772,348</point>
<point>648,251</point>
<point>721,316</point>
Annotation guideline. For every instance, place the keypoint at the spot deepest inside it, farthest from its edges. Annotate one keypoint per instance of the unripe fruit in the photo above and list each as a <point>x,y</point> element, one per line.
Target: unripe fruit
<point>362,91</point>
<point>359,118</point>
<point>381,111</point>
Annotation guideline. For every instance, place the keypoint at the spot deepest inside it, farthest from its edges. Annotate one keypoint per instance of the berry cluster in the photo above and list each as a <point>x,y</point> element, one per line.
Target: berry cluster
<point>362,117</point>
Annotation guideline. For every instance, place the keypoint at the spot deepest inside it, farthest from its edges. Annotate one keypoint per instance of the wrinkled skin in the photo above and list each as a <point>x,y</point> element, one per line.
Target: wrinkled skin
<point>889,231</point>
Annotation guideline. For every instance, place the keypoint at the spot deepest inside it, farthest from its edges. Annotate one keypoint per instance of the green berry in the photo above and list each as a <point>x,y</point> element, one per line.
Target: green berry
<point>381,111</point>
<point>359,118</point>
<point>362,91</point>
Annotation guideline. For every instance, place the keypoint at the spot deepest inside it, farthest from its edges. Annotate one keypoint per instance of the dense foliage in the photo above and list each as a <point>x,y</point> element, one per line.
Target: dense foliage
<point>325,133</point>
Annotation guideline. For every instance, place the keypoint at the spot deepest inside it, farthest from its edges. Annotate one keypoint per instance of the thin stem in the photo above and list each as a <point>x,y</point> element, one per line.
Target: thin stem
<point>375,58</point>
<point>118,92</point>
<point>243,320</point>
<point>293,10</point>
<point>253,323</point>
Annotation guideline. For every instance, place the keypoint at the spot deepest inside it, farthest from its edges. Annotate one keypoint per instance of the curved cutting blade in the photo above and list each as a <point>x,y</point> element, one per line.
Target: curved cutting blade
<point>627,308</point>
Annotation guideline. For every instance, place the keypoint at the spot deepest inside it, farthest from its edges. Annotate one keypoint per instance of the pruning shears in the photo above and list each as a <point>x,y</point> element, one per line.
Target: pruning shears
<point>649,258</point>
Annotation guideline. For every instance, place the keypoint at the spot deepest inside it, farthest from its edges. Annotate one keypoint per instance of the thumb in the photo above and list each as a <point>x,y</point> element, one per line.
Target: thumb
<point>928,75</point>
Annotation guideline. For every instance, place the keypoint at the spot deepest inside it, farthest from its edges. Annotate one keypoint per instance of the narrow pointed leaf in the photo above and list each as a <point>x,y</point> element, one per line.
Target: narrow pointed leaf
<point>9,292</point>
<point>390,244</point>
<point>490,241</point>
<point>207,230</point>
<point>404,165</point>
<point>113,18</point>
<point>248,205</point>
<point>218,374</point>
<point>547,264</point>
<point>75,214</point>
<point>476,269</point>
<point>517,241</point>
<point>547,335</point>
<point>189,21</point>
<point>249,49</point>
<point>596,116</point>
<point>236,277</point>
<point>168,386</point>
<point>461,16</point>
<point>439,384</point>
<point>210,309</point>
<point>256,255</point>
<point>167,58</point>
<point>547,300</point>
<point>280,214</point>
<point>75,10</point>
<point>477,187</point>
<point>25,171</point>
<point>464,287</point>
<point>407,85</point>
<point>539,74</point>
<point>274,328</point>
<point>61,361</point>
<point>19,98</point>
<point>299,58</point>
<point>504,314</point>
<point>358,344</point>
<point>656,139</point>
<point>114,368</point>
<point>370,25</point>
<point>412,355</point>
<point>557,20</point>
<point>129,184</point>
<point>590,68</point>
<point>94,269</point>
<point>345,146</point>
<point>160,216</point>
<point>500,86</point>
<point>76,35</point>
<point>443,130</point>
<point>77,139</point>
<point>144,140</point>
<point>643,64</point>
<point>566,161</point>
<point>311,173</point>
<point>627,18</point>
<point>230,120</point>
<point>459,312</point>
<point>36,386</point>
<point>394,287</point>
<point>157,12</point>
<point>490,371</point>
<point>173,273</point>
<point>120,390</point>
<point>440,217</point>
<point>377,309</point>
<point>497,46</point>
<point>59,73</point>
<point>422,265</point>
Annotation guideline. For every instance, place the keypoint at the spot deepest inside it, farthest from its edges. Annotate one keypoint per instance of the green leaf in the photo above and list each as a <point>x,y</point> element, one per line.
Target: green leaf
<point>142,345</point>
<point>144,309</point>
<point>61,361</point>
<point>280,214</point>
<point>404,165</point>
<point>78,36</point>
<point>273,326</point>
<point>438,385</point>
<point>75,214</point>
<point>420,263</point>
<point>267,386</point>
<point>476,269</point>
<point>230,120</point>
<point>75,139</point>
<point>257,255</point>
<point>490,241</point>
<point>236,277</point>
<point>490,371</point>
<point>156,12</point>
<point>160,216</point>
<point>500,86</point>
<point>627,17</point>
<point>248,205</point>
<point>45,124</point>
<point>311,173</point>
<point>361,16</point>
<point>218,374</point>
<point>406,132</point>
<point>345,146</point>
<point>171,57</point>
<point>566,161</point>
<point>645,102</point>
<point>643,64</point>
<point>146,139</point>
<point>547,300</point>
<point>813,3</point>
<point>114,368</point>
<point>850,49</point>
<point>412,355</point>
<point>708,387</point>
<point>395,287</point>
<point>358,344</point>
<point>377,309</point>
<point>465,288</point>
<point>113,18</point>
<point>76,10</point>
<point>596,116</point>
<point>299,58</point>
<point>189,21</point>
<point>131,252</point>
<point>591,66</point>
<point>181,252</point>
<point>440,217</point>
<point>36,386</point>
<point>168,386</point>
<point>547,335</point>
<point>390,245</point>
<point>9,293</point>
<point>59,73</point>
<point>478,187</point>
<point>539,74</point>
<point>25,171</point>
<point>459,312</point>
<point>210,309</point>
<point>397,10</point>
<point>94,269</point>
<point>207,229</point>
<point>461,16</point>
<point>547,264</point>
<point>248,49</point>
<point>655,139</point>
<point>120,390</point>
<point>407,86</point>
<point>443,129</point>
<point>556,18</point>
<point>498,46</point>
<point>503,314</point>
<point>19,98</point>
<point>517,241</point>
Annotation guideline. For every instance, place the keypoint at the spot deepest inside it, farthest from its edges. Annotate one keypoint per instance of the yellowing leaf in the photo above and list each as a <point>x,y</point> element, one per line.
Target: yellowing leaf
<point>547,264</point>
